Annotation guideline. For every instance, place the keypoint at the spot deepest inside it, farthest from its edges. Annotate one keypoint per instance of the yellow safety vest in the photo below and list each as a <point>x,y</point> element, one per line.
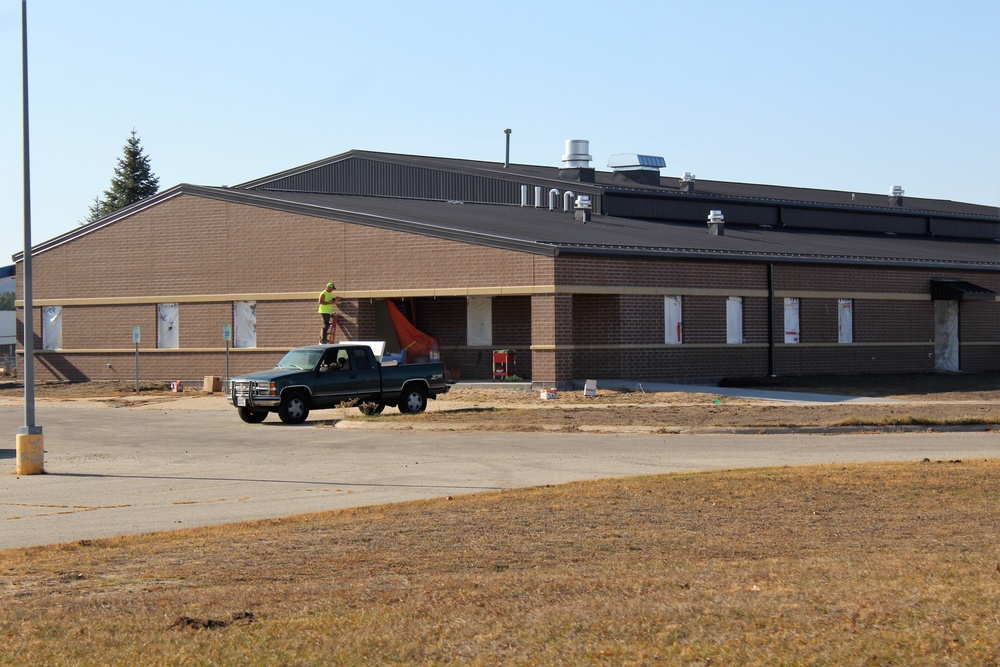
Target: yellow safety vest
<point>327,305</point>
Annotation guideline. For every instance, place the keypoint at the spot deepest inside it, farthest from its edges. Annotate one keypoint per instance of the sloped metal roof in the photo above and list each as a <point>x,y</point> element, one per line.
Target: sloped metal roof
<point>540,231</point>
<point>669,185</point>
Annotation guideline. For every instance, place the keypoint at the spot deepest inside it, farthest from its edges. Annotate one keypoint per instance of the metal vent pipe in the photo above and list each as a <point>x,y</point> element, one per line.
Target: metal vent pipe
<point>568,198</point>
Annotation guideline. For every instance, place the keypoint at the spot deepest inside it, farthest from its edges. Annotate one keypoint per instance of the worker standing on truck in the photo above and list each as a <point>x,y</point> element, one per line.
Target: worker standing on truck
<point>326,303</point>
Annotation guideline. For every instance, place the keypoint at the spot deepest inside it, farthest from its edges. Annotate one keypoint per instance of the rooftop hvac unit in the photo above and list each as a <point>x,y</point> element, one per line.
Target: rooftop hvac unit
<point>642,169</point>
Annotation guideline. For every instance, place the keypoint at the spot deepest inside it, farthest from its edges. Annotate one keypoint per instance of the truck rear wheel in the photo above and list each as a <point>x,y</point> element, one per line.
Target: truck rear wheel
<point>413,400</point>
<point>251,416</point>
<point>294,408</point>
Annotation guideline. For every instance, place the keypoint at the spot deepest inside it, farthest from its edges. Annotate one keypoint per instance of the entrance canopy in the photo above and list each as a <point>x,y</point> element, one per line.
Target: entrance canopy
<point>959,290</point>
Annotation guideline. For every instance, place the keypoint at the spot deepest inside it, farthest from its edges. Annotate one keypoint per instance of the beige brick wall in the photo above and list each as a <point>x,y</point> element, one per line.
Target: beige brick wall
<point>206,253</point>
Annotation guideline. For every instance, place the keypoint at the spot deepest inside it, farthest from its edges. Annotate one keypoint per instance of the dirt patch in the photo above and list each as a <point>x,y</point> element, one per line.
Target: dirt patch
<point>98,389</point>
<point>930,400</point>
<point>918,400</point>
<point>915,386</point>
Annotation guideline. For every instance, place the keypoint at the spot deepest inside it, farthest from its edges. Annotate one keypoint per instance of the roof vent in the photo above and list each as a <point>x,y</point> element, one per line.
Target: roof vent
<point>576,162</point>
<point>642,169</point>
<point>715,223</point>
<point>687,182</point>
<point>896,195</point>
<point>583,208</point>
<point>577,155</point>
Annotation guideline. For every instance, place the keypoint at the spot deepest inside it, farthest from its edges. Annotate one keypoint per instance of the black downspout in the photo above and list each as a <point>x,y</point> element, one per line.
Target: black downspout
<point>770,320</point>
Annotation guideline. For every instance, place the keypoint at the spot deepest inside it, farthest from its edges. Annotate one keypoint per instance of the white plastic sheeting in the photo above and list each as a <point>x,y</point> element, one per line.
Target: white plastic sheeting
<point>734,320</point>
<point>946,335</point>
<point>480,320</point>
<point>167,333</point>
<point>672,330</point>
<point>791,321</point>
<point>244,324</point>
<point>845,321</point>
<point>52,328</point>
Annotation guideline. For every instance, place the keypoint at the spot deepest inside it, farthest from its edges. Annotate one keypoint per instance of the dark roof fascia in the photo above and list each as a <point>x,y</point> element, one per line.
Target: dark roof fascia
<point>802,204</point>
<point>774,258</point>
<point>383,222</point>
<point>257,182</point>
<point>83,230</point>
<point>453,165</point>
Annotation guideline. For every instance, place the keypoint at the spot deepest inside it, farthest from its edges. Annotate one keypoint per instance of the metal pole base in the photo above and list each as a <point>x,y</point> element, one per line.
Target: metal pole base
<point>30,453</point>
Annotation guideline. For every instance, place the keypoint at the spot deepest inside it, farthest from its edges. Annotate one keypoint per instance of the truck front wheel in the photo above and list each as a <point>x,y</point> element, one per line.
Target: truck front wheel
<point>413,400</point>
<point>251,416</point>
<point>294,408</point>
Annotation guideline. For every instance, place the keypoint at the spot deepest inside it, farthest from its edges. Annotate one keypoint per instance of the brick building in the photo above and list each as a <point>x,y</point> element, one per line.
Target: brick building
<point>585,274</point>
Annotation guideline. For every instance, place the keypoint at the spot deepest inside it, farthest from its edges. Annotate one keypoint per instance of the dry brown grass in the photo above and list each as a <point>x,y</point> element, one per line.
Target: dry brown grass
<point>832,565</point>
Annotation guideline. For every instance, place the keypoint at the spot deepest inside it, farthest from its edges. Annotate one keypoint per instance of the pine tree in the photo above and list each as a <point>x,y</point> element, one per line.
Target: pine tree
<point>133,181</point>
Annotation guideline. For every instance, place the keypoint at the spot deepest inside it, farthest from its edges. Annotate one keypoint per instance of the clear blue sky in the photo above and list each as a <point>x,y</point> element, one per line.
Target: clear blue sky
<point>846,95</point>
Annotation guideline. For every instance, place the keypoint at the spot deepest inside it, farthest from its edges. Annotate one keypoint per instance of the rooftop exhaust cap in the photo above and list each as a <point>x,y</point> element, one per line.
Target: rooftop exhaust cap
<point>576,162</point>
<point>716,223</point>
<point>896,195</point>
<point>583,208</point>
<point>687,182</point>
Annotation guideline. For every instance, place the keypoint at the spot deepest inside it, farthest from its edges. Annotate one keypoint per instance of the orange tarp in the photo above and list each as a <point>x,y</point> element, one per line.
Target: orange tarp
<point>413,340</point>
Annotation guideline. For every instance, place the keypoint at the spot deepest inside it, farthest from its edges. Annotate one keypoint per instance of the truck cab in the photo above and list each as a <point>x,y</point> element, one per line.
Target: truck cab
<point>317,377</point>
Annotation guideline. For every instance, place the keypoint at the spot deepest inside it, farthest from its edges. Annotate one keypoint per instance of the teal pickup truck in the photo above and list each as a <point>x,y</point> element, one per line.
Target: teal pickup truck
<point>328,376</point>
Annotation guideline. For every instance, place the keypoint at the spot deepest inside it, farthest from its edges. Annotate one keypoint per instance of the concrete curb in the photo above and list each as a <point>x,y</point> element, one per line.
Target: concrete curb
<point>375,425</point>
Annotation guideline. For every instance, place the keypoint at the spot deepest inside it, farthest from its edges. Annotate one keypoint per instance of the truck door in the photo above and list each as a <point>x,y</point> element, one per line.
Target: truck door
<point>336,379</point>
<point>369,376</point>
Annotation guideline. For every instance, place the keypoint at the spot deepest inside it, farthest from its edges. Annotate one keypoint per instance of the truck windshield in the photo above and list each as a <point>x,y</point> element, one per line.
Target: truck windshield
<point>300,359</point>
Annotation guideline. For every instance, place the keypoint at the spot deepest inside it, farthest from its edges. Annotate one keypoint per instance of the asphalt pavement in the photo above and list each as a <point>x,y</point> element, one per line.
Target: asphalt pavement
<point>192,462</point>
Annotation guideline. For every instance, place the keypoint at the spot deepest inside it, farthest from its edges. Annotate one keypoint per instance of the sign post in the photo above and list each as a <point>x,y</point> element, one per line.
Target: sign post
<point>135,339</point>
<point>227,335</point>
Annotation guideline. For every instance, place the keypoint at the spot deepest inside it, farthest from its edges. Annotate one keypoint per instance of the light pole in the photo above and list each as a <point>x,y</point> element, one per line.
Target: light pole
<point>30,444</point>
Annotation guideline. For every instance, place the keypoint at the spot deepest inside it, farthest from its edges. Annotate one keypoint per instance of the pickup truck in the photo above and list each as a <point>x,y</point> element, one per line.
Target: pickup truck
<point>315,377</point>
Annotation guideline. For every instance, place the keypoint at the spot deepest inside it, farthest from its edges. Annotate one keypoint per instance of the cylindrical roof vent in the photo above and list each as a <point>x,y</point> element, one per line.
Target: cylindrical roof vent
<point>577,154</point>
<point>582,210</point>
<point>715,223</point>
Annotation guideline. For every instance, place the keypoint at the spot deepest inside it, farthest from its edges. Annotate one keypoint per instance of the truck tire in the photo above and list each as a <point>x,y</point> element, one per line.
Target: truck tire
<point>294,408</point>
<point>371,409</point>
<point>413,400</point>
<point>251,416</point>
